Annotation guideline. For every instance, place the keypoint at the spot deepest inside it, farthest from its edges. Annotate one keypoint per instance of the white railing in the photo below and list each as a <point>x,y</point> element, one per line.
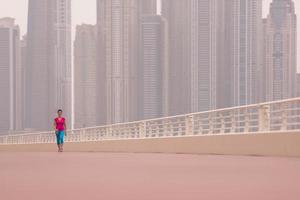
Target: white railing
<point>265,117</point>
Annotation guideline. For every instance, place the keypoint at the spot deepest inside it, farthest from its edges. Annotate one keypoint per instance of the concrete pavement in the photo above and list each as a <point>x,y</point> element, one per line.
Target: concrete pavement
<point>113,176</point>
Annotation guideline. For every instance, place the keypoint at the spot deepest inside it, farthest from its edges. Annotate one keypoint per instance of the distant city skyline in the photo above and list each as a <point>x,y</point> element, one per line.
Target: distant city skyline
<point>18,9</point>
<point>148,58</point>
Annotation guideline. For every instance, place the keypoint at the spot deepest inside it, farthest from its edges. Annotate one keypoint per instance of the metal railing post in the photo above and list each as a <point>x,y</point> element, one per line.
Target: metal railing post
<point>6,140</point>
<point>82,135</point>
<point>39,138</point>
<point>166,129</point>
<point>108,132</point>
<point>247,123</point>
<point>142,129</point>
<point>210,123</point>
<point>189,125</point>
<point>222,130</point>
<point>21,141</point>
<point>264,118</point>
<point>200,124</point>
<point>284,117</point>
<point>233,123</point>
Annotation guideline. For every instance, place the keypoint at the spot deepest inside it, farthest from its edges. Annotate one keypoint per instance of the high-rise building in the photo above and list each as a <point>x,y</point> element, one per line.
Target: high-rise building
<point>118,27</point>
<point>118,42</point>
<point>225,39</point>
<point>147,7</point>
<point>21,74</point>
<point>203,54</point>
<point>244,26</point>
<point>153,68</point>
<point>281,51</point>
<point>85,65</point>
<point>196,33</point>
<point>48,68</point>
<point>10,77</point>
<point>176,12</point>
<point>262,90</point>
<point>214,53</point>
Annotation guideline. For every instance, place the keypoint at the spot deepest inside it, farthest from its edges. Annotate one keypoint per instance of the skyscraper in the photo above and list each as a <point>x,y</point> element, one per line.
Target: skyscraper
<point>262,90</point>
<point>23,56</point>
<point>281,51</point>
<point>147,7</point>
<point>153,67</point>
<point>194,49</point>
<point>176,12</point>
<point>225,39</point>
<point>214,53</point>
<point>118,41</point>
<point>203,54</point>
<point>85,65</point>
<point>10,77</point>
<point>244,25</point>
<point>118,26</point>
<point>48,69</point>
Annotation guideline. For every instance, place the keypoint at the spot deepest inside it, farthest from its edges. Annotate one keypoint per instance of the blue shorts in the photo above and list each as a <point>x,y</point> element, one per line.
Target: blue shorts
<point>60,135</point>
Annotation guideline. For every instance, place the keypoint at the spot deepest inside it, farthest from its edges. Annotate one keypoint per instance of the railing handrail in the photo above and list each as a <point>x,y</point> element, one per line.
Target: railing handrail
<point>213,126</point>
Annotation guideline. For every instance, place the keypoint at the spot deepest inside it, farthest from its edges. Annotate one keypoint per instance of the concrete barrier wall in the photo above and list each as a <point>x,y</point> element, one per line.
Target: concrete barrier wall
<point>263,144</point>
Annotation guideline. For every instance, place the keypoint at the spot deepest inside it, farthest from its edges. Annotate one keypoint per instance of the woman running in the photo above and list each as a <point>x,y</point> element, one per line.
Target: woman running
<point>60,130</point>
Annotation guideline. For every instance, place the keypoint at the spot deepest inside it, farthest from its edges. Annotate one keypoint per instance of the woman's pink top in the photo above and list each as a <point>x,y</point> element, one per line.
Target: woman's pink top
<point>60,121</point>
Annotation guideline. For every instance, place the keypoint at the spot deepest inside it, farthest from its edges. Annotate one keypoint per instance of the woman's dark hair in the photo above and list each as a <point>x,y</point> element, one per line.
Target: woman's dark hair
<point>59,110</point>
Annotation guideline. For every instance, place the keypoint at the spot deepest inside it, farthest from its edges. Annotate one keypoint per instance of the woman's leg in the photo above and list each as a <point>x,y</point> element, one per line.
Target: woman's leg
<point>57,141</point>
<point>61,140</point>
<point>62,135</point>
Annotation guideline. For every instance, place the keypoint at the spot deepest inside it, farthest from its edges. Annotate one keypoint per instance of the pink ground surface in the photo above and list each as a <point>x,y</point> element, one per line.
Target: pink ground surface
<point>108,176</point>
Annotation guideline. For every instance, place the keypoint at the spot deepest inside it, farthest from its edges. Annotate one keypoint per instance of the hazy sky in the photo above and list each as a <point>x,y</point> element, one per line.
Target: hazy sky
<point>84,11</point>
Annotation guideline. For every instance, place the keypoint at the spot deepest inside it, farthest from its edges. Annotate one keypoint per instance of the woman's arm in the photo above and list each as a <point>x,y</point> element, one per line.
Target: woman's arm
<point>65,125</point>
<point>54,125</point>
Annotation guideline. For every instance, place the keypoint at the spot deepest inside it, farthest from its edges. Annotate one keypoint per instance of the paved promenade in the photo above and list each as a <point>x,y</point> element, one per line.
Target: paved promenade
<point>109,176</point>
